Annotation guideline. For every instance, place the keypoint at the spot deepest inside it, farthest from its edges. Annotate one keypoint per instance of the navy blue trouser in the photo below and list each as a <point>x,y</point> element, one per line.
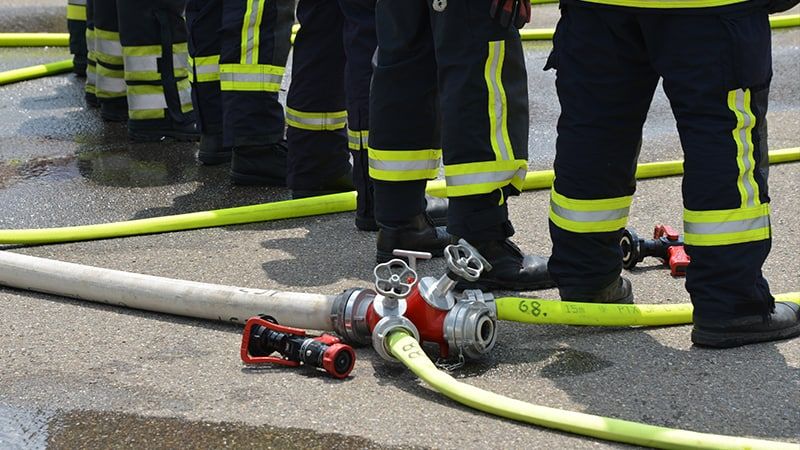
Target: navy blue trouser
<point>203,21</point>
<point>449,85</point>
<point>716,71</point>
<point>328,100</point>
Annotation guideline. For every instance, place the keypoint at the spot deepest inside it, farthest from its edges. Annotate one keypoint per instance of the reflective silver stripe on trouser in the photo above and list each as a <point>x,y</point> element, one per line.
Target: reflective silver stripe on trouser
<point>150,63</point>
<point>76,2</point>
<point>110,84</point>
<point>404,166</point>
<point>747,150</point>
<point>251,77</point>
<point>734,226</point>
<point>251,26</point>
<point>91,77</point>
<point>498,99</point>
<point>204,69</point>
<point>137,102</point>
<point>324,122</point>
<point>589,216</point>
<point>111,48</point>
<point>484,177</point>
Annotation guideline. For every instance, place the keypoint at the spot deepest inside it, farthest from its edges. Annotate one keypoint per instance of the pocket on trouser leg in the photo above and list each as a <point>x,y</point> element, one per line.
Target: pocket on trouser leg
<point>749,56</point>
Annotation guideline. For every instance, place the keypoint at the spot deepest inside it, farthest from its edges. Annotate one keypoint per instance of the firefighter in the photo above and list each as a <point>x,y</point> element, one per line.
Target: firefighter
<point>105,82</point>
<point>152,37</point>
<point>76,25</point>
<point>715,62</point>
<point>450,82</point>
<point>238,52</point>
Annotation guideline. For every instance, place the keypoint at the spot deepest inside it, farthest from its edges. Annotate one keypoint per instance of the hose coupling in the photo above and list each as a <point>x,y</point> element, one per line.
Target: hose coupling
<point>349,315</point>
<point>470,328</point>
<point>382,330</point>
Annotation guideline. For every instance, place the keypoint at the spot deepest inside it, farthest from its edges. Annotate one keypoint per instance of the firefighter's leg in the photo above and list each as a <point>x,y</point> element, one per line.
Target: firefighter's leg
<point>76,25</point>
<point>720,103</point>
<point>318,161</point>
<point>110,86</point>
<point>484,100</point>
<point>404,137</point>
<point>605,85</point>
<point>91,58</point>
<point>203,20</point>
<point>255,46</point>
<point>153,37</point>
<point>360,42</point>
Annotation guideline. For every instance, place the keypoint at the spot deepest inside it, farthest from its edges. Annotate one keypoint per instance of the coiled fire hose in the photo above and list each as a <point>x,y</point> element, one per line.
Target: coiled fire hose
<point>408,351</point>
<point>288,209</point>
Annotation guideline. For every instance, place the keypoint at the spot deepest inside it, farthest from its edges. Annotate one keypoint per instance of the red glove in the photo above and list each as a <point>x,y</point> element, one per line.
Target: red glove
<point>507,12</point>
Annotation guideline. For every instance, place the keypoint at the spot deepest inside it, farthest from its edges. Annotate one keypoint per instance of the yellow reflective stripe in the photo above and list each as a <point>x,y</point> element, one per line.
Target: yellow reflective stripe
<point>484,177</point>
<point>204,68</point>
<point>667,4</point>
<point>76,12</point>
<point>498,104</point>
<point>316,121</point>
<point>404,165</point>
<point>109,83</point>
<point>250,31</point>
<point>146,114</point>
<point>153,50</point>
<point>589,216</point>
<point>357,139</point>
<point>250,77</point>
<point>728,226</point>
<point>739,103</point>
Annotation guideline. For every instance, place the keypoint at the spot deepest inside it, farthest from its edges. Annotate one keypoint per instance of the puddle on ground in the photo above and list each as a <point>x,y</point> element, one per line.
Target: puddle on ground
<point>132,166</point>
<point>35,429</point>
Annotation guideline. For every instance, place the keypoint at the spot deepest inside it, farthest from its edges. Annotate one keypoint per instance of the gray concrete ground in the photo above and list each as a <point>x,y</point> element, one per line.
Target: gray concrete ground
<point>79,375</point>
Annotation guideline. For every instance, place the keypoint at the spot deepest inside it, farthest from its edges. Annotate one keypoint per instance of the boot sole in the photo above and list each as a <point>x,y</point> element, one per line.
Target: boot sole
<point>214,159</point>
<point>727,340</point>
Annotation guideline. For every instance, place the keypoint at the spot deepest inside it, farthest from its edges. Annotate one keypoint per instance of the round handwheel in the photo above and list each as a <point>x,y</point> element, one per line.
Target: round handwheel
<point>394,278</point>
<point>464,262</point>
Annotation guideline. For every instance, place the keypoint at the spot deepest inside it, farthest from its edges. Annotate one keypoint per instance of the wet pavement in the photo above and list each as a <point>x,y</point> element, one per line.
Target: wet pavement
<point>78,375</point>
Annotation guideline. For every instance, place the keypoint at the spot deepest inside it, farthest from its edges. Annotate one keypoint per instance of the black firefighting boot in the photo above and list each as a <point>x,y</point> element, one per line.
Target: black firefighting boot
<point>156,130</point>
<point>782,323</point>
<point>619,291</point>
<point>436,210</point>
<point>511,269</point>
<point>343,183</point>
<point>113,109</point>
<point>259,164</point>
<point>211,152</point>
<point>418,234</point>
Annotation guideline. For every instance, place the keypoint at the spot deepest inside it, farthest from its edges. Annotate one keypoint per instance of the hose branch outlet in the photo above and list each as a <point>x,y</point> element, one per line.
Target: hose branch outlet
<point>384,328</point>
<point>470,328</point>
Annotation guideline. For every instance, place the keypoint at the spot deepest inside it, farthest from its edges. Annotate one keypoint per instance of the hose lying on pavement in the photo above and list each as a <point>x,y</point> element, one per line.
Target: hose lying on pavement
<point>539,311</point>
<point>165,295</point>
<point>288,209</point>
<point>526,34</point>
<point>31,72</point>
<point>407,350</point>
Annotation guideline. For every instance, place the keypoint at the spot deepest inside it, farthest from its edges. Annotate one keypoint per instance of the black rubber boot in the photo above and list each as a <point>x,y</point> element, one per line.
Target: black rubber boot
<point>511,269</point>
<point>782,323</point>
<point>263,165</point>
<point>343,183</point>
<point>418,234</point>
<point>436,210</point>
<point>619,291</point>
<point>114,109</point>
<point>157,130</point>
<point>211,151</point>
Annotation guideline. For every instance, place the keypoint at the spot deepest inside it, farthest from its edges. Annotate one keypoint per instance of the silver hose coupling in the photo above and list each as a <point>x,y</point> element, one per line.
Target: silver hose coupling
<point>382,330</point>
<point>470,328</point>
<point>349,315</point>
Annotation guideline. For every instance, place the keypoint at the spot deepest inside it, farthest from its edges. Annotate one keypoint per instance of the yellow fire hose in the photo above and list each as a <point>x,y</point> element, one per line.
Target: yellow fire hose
<point>408,351</point>
<point>41,70</point>
<point>527,34</point>
<point>540,311</point>
<point>289,209</point>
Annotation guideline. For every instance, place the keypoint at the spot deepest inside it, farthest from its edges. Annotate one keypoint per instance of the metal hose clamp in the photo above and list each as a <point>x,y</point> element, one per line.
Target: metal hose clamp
<point>470,328</point>
<point>386,326</point>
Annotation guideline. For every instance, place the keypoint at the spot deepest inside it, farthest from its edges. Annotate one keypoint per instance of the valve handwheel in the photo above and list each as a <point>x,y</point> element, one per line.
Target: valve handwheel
<point>394,278</point>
